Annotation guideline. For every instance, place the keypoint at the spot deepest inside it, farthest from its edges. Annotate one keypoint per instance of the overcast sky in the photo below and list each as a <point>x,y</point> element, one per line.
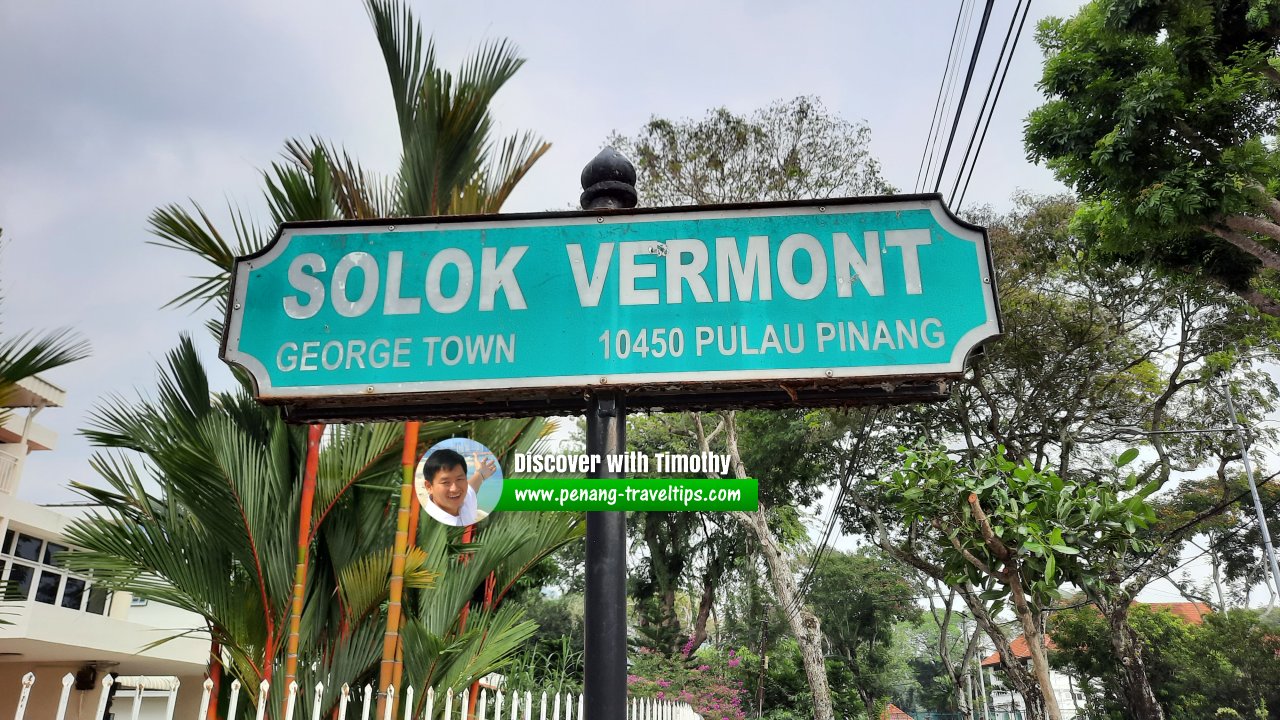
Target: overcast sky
<point>110,110</point>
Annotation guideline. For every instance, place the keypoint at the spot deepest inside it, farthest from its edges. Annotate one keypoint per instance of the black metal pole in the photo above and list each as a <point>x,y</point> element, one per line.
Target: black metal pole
<point>608,182</point>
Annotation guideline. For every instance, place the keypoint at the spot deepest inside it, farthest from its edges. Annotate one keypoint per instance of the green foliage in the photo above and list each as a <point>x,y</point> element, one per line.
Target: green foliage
<point>201,512</point>
<point>1232,538</point>
<point>450,161</point>
<point>860,598</point>
<point>553,660</point>
<point>709,681</point>
<point>995,516</point>
<point>1162,115</point>
<point>1228,666</point>
<point>1095,352</point>
<point>791,452</point>
<point>790,150</point>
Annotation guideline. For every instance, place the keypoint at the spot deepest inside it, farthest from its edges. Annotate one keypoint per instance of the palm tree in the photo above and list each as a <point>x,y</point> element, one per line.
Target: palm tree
<point>449,164</point>
<point>221,452</point>
<point>216,536</point>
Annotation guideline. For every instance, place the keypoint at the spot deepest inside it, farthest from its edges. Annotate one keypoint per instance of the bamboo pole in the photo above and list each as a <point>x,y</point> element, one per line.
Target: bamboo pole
<point>314,432</point>
<point>391,637</point>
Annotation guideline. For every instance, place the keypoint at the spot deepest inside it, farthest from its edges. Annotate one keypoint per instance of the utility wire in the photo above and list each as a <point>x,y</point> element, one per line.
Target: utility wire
<point>937,103</point>
<point>935,142</point>
<point>1001,61</point>
<point>805,584</point>
<point>964,91</point>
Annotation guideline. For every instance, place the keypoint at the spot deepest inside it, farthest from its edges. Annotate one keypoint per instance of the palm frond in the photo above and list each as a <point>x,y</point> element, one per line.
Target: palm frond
<point>514,161</point>
<point>359,194</point>
<point>296,192</point>
<point>450,135</point>
<point>179,230</point>
<point>30,354</point>
<point>407,58</point>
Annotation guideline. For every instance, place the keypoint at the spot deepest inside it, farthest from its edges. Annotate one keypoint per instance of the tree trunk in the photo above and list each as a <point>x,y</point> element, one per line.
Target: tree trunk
<point>1215,563</point>
<point>1035,643</point>
<point>705,603</point>
<point>1139,695</point>
<point>804,624</point>
<point>967,712</point>
<point>868,701</point>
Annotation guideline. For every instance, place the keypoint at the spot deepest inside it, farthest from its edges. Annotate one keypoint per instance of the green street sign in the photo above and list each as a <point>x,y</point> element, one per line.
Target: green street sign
<point>521,314</point>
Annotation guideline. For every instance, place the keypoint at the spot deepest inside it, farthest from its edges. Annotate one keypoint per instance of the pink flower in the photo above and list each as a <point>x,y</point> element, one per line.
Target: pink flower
<point>664,683</point>
<point>703,668</point>
<point>733,661</point>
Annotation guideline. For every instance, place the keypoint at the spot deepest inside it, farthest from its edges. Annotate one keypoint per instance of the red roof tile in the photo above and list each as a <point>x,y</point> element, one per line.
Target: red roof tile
<point>893,712</point>
<point>1020,648</point>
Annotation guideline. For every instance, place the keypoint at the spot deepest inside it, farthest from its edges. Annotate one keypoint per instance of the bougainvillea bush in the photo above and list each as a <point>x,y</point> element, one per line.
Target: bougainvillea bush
<point>710,680</point>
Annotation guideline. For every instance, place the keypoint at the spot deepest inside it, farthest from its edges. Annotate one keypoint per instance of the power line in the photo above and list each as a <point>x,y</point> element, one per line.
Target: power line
<point>964,91</point>
<point>937,103</point>
<point>1004,73</point>
<point>935,142</point>
<point>802,589</point>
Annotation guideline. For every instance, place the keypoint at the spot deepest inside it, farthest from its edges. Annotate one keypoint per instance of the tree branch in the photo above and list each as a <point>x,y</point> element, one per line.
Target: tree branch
<point>984,525</point>
<point>1261,302</point>
<point>1245,224</point>
<point>955,543</point>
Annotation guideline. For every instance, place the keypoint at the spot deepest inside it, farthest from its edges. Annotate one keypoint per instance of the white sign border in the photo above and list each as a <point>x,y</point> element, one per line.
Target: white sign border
<point>933,203</point>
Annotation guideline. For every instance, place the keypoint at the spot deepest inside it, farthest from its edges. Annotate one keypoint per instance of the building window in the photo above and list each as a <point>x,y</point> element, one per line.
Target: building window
<point>29,571</point>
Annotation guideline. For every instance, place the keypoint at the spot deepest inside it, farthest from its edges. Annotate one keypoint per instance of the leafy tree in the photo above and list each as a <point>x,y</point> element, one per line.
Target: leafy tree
<point>791,150</point>
<point>1097,356</point>
<point>939,649</point>
<point>1162,114</point>
<point>794,149</point>
<point>1228,662</point>
<point>1232,539</point>
<point>680,547</point>
<point>860,597</point>
<point>1017,534</point>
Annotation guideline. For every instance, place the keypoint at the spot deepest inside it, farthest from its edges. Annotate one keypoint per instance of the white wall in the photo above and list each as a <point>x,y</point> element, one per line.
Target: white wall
<point>83,705</point>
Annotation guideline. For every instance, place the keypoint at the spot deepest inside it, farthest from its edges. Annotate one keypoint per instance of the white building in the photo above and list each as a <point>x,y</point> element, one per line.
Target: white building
<point>61,622</point>
<point>1071,700</point>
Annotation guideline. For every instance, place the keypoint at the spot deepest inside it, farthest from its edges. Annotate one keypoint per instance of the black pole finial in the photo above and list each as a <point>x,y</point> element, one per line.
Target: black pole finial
<point>609,182</point>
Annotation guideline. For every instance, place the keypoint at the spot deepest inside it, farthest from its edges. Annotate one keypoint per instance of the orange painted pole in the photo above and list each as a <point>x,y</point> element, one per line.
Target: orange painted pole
<point>409,463</point>
<point>391,638</point>
<point>314,432</point>
<point>215,675</point>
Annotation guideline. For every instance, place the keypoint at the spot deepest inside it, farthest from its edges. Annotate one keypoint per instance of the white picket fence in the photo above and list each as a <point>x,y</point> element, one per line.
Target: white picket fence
<point>513,706</point>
